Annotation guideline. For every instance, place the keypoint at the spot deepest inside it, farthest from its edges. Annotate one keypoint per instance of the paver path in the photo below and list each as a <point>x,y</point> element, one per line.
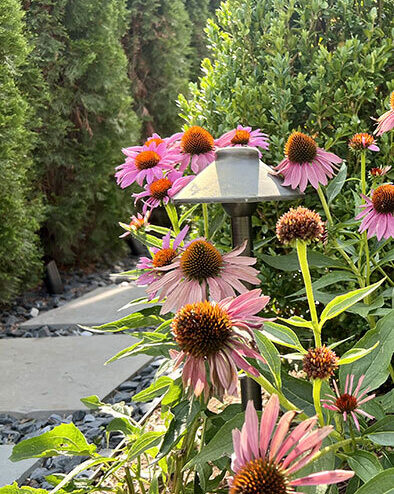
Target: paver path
<point>40,376</point>
<point>11,472</point>
<point>96,307</point>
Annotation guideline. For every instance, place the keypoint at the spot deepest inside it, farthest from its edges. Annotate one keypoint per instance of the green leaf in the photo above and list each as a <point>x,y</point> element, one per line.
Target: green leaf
<point>146,441</point>
<point>65,439</point>
<point>365,464</point>
<point>327,280</point>
<point>290,262</point>
<point>271,355</point>
<point>375,365</point>
<point>282,335</point>
<point>157,388</point>
<point>356,353</point>
<point>122,425</point>
<point>297,321</point>
<point>15,489</point>
<point>116,410</point>
<point>185,215</point>
<point>337,343</point>
<point>343,302</point>
<point>387,401</point>
<point>380,484</point>
<point>382,432</point>
<point>145,318</point>
<point>335,185</point>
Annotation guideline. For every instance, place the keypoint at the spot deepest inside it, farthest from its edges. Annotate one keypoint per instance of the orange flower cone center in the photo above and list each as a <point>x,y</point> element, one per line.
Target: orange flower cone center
<point>361,141</point>
<point>392,100</point>
<point>241,137</point>
<point>383,199</point>
<point>300,148</point>
<point>156,140</point>
<point>197,140</point>
<point>259,476</point>
<point>201,260</point>
<point>163,257</point>
<point>346,403</point>
<point>201,329</point>
<point>137,223</point>
<point>146,160</point>
<point>159,188</point>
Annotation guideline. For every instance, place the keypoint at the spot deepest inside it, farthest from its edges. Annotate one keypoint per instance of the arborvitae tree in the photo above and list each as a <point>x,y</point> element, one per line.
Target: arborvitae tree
<point>20,263</point>
<point>158,49</point>
<point>86,113</point>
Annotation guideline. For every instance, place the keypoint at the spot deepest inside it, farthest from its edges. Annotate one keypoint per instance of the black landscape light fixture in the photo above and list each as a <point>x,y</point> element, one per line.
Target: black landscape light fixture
<point>239,181</point>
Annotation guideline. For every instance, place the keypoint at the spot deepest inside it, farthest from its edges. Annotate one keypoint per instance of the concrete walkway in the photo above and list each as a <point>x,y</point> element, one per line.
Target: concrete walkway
<point>96,307</point>
<point>41,376</point>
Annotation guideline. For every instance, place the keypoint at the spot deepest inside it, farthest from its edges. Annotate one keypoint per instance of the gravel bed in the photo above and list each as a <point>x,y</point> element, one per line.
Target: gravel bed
<point>91,423</point>
<point>76,283</point>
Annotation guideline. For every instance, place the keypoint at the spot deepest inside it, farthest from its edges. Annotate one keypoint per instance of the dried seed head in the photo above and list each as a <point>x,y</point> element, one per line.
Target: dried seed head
<point>300,223</point>
<point>320,363</point>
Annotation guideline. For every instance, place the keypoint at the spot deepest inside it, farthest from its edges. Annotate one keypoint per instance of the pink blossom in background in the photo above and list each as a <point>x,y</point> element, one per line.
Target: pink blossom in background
<point>243,136</point>
<point>386,121</point>
<point>377,215</point>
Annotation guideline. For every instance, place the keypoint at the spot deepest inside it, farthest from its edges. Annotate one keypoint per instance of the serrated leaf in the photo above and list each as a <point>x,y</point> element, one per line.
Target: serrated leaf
<point>61,440</point>
<point>343,302</point>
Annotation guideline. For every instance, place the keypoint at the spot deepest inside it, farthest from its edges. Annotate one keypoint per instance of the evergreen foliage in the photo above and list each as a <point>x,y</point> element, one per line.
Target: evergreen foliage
<point>20,209</point>
<point>158,48</point>
<point>85,109</point>
<point>321,67</point>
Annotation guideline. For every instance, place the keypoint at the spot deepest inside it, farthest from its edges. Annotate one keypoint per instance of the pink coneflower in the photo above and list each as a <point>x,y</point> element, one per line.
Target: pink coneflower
<point>202,267</point>
<point>147,164</point>
<point>386,121</point>
<point>363,141</point>
<point>306,163</point>
<point>378,212</point>
<point>349,403</point>
<point>264,461</point>
<point>243,136</point>
<point>380,172</point>
<point>153,138</point>
<point>161,190</point>
<point>136,223</point>
<point>217,334</point>
<point>161,257</point>
<point>196,146</point>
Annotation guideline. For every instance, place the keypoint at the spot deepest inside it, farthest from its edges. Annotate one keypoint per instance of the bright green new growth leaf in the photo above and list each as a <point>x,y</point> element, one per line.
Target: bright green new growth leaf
<point>282,335</point>
<point>269,352</point>
<point>355,353</point>
<point>14,489</point>
<point>65,439</point>
<point>157,388</point>
<point>343,302</point>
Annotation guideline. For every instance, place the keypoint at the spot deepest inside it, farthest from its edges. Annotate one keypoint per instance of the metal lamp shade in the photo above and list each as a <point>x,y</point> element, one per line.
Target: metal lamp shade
<point>237,176</point>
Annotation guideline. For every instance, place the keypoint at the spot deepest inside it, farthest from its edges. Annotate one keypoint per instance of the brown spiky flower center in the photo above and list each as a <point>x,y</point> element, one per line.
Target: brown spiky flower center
<point>346,403</point>
<point>241,137</point>
<point>156,140</point>
<point>383,199</point>
<point>201,329</point>
<point>320,363</point>
<point>197,140</point>
<point>146,159</point>
<point>361,141</point>
<point>300,148</point>
<point>163,257</point>
<point>201,260</point>
<point>392,100</point>
<point>300,223</point>
<point>159,188</point>
<point>260,476</point>
<point>380,172</point>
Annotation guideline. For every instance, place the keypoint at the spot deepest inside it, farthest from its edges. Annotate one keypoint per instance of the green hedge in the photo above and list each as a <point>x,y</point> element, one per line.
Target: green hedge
<point>20,208</point>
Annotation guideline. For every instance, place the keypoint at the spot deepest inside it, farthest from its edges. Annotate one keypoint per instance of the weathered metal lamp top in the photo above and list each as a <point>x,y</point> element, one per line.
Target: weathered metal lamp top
<point>237,176</point>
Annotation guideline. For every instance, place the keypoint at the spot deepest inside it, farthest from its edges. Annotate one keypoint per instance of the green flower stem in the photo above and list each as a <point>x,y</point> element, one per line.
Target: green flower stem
<point>363,174</point>
<point>317,400</point>
<point>173,217</point>
<point>335,241</point>
<point>303,260</point>
<point>267,386</point>
<point>206,219</point>
<point>341,444</point>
